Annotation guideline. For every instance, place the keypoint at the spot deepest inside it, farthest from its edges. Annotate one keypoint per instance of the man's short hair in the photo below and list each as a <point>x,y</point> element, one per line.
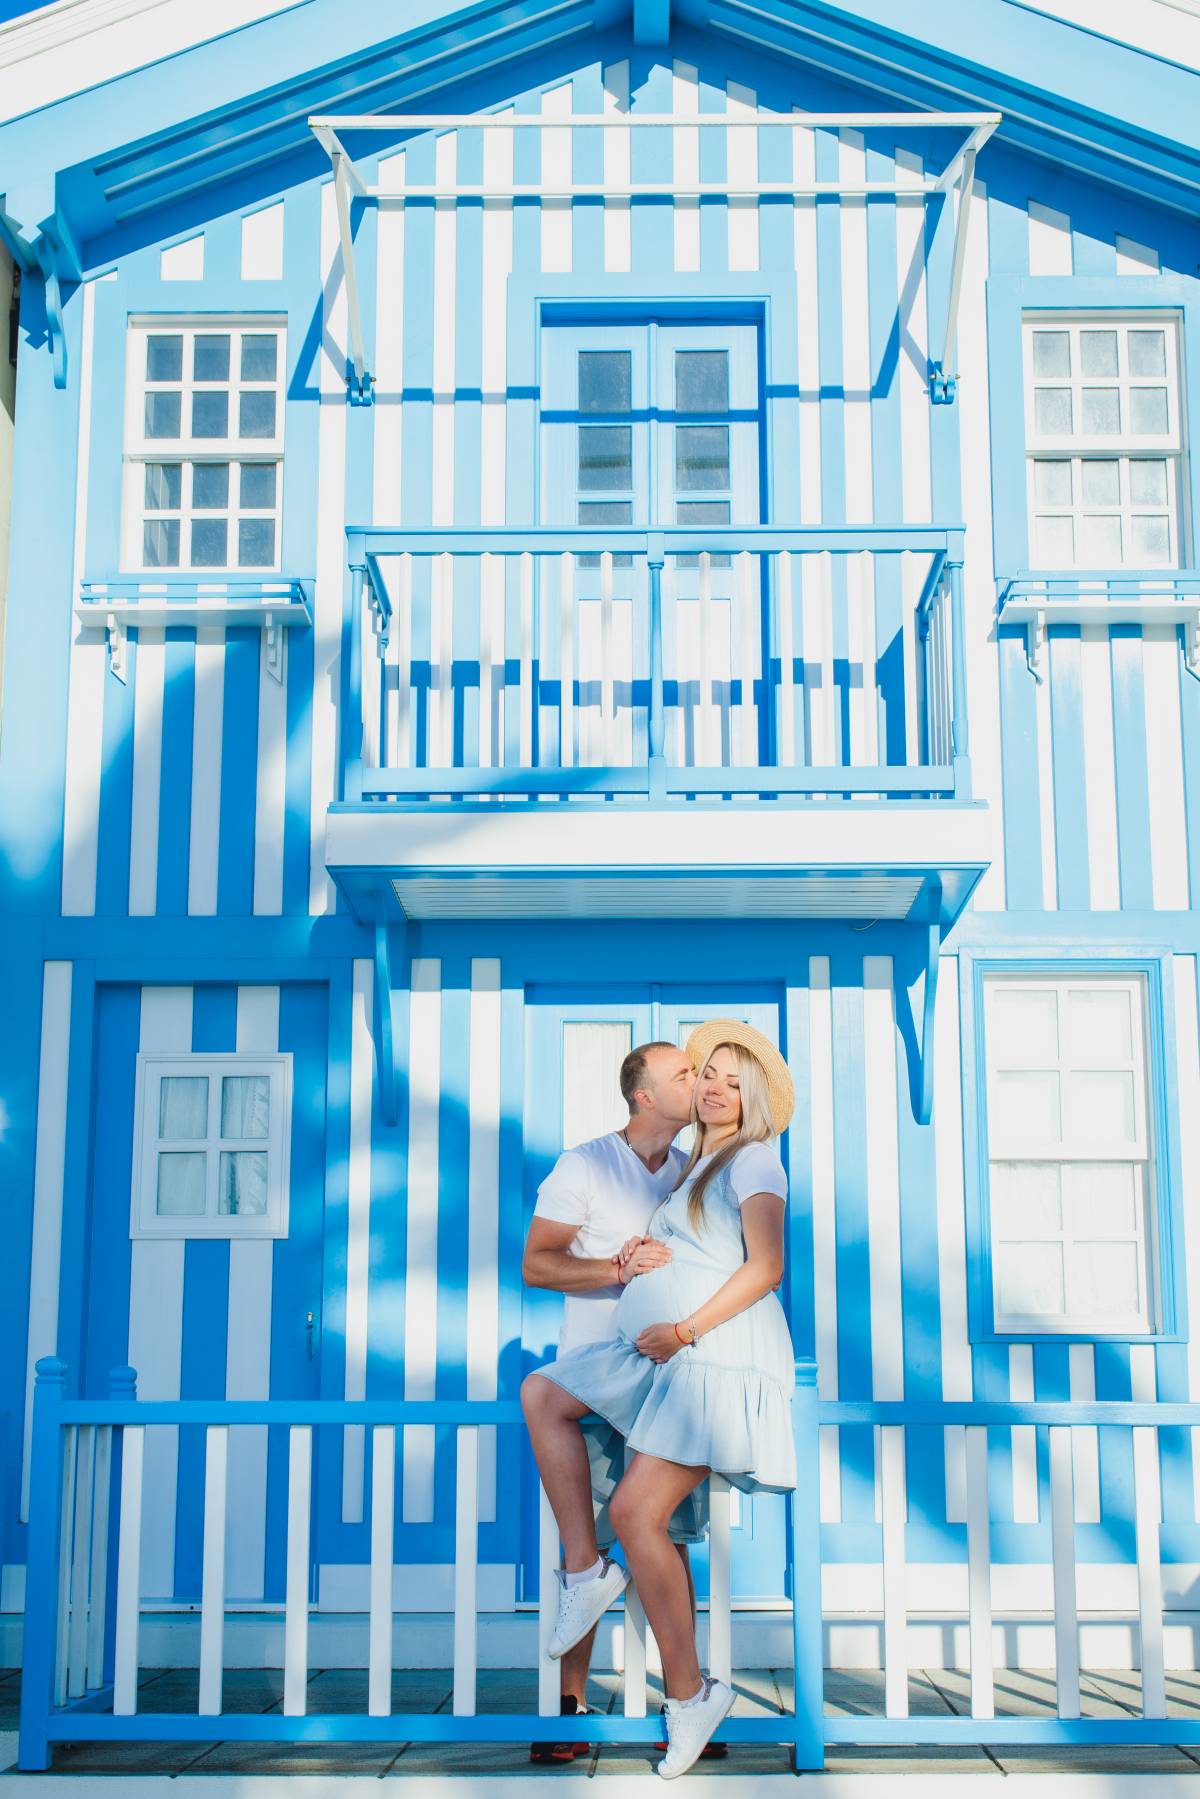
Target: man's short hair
<point>633,1071</point>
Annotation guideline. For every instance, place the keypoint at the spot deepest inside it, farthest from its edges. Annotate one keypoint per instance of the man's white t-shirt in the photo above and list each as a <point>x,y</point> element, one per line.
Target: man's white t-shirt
<point>605,1190</point>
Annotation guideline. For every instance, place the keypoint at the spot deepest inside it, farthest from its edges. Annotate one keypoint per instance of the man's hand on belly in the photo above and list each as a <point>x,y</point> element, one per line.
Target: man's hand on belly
<point>638,1255</point>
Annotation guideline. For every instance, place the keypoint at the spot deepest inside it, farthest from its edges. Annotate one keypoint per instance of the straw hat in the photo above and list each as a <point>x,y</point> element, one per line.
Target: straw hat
<point>781,1094</point>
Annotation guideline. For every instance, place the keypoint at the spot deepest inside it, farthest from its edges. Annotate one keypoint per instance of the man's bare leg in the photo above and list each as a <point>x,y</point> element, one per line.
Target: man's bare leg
<point>552,1417</point>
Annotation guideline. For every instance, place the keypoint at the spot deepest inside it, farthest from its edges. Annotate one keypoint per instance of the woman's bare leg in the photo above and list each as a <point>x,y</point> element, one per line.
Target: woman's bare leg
<point>640,1510</point>
<point>552,1416</point>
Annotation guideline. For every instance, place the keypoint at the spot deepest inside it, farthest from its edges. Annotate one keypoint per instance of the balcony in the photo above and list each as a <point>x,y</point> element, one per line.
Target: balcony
<point>547,715</point>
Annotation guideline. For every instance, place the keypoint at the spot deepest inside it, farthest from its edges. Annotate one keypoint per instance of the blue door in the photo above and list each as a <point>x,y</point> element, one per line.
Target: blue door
<point>575,1043</point>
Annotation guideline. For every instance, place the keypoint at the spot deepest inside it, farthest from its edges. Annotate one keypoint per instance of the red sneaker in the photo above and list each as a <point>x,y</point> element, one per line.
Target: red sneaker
<point>562,1752</point>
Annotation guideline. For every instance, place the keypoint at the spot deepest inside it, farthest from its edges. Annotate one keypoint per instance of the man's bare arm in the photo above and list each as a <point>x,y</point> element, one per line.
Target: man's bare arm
<point>547,1261</point>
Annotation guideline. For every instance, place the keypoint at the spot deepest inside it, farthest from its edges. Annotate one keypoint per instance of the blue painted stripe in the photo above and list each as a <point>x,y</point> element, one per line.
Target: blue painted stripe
<point>239,763</point>
<point>1133,784</point>
<point>175,792</point>
<point>116,789</point>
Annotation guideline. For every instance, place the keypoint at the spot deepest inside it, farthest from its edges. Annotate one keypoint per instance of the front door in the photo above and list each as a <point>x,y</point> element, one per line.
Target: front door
<point>576,1041</point>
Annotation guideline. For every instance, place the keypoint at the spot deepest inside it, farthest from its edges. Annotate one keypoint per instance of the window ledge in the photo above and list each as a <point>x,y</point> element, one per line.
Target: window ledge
<point>271,603</point>
<point>1127,596</point>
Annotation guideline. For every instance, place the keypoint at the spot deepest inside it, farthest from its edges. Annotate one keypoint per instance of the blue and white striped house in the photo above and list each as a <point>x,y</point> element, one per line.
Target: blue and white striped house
<point>536,522</point>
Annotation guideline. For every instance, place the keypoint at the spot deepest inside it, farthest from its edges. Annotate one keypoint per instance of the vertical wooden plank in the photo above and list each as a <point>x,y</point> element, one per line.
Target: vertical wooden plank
<point>66,1544</point>
<point>566,658</point>
<point>548,1682</point>
<point>979,1573</point>
<point>720,1631</point>
<point>466,1570</point>
<point>1147,1512</point>
<point>97,1611</point>
<point>607,734</point>
<point>707,755</point>
<point>383,1503</point>
<point>895,1616</point>
<point>1062,1540</point>
<point>747,601</point>
<point>781,565</point>
<point>81,1556</point>
<point>212,1588</point>
<point>491,576</point>
<point>402,635</point>
<point>295,1615</point>
<point>129,1559</point>
<point>526,697</point>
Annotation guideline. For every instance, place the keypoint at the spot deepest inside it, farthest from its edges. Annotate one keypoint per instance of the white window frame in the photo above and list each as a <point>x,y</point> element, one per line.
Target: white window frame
<point>145,1221</point>
<point>1123,447</point>
<point>1139,1153</point>
<point>188,450</point>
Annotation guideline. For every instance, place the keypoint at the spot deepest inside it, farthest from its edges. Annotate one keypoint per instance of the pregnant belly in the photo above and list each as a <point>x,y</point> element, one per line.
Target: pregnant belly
<point>664,1294</point>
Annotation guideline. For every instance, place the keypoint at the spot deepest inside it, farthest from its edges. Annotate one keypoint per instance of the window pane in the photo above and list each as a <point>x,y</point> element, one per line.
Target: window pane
<point>701,456</point>
<point>258,484</point>
<point>605,457</point>
<point>1025,1200</point>
<point>1101,481</point>
<point>702,512</point>
<point>1099,1025</point>
<point>1030,1278</point>
<point>260,355</point>
<point>160,543</point>
<point>1151,538</point>
<point>256,413</point>
<point>1052,352</point>
<point>1055,542</point>
<point>1100,1107</point>
<point>209,539</point>
<point>183,1106</point>
<point>1022,1025</point>
<point>1025,1108</point>
<point>1147,353</point>
<point>256,542</point>
<point>245,1105</point>
<point>1052,482</point>
<point>606,512</point>
<point>1052,414</point>
<point>210,485</point>
<point>702,381</point>
<point>1098,352</point>
<point>1102,1198</point>
<point>210,357</point>
<point>1100,540</point>
<point>243,1183</point>
<point>1101,411</point>
<point>1147,482</point>
<point>605,381</point>
<point>1104,1278</point>
<point>162,414</point>
<point>164,358</point>
<point>163,486</point>
<point>181,1182</point>
<point>1147,411</point>
<point>210,414</point>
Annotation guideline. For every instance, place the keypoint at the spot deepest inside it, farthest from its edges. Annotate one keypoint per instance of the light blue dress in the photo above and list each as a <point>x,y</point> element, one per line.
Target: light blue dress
<point>726,1403</point>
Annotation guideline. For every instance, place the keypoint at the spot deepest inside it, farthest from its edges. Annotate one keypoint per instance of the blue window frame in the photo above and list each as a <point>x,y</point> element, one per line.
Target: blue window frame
<point>1073,1232</point>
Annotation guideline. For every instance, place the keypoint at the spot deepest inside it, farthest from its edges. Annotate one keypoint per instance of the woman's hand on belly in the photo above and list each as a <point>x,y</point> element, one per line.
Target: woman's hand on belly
<point>659,1342</point>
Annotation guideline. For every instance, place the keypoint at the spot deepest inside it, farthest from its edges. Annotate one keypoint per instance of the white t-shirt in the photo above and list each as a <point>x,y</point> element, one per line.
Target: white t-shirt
<point>755,1169</point>
<point>605,1189</point>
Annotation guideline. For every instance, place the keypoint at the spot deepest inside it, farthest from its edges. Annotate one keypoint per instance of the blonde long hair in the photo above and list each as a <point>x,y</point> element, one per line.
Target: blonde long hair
<point>755,1126</point>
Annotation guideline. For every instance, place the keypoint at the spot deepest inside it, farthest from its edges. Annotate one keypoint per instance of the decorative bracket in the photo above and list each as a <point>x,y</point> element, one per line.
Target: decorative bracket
<point>943,370</point>
<point>1191,643</point>
<point>933,953</point>
<point>273,646</point>
<point>114,631</point>
<point>360,383</point>
<point>385,1036</point>
<point>943,388</point>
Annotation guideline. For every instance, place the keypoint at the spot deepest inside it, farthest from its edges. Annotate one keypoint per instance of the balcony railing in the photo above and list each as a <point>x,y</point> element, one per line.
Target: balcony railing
<point>655,665</point>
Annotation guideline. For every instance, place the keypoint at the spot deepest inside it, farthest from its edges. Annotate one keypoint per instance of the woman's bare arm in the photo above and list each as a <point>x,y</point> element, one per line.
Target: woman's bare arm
<point>762,1228</point>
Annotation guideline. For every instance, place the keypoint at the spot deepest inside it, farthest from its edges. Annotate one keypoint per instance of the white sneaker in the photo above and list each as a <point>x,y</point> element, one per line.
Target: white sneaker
<point>582,1605</point>
<point>690,1726</point>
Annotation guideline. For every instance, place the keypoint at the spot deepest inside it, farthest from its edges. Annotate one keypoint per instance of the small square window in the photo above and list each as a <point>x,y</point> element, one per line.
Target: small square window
<point>605,381</point>
<point>210,539</point>
<point>258,484</point>
<point>211,1145</point>
<point>210,486</point>
<point>210,414</point>
<point>160,543</point>
<point>260,356</point>
<point>164,357</point>
<point>256,542</point>
<point>256,413</point>
<point>210,357</point>
<point>163,413</point>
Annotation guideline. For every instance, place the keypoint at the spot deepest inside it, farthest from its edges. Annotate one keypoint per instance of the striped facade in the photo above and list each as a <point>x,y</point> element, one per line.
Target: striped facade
<point>176,895</point>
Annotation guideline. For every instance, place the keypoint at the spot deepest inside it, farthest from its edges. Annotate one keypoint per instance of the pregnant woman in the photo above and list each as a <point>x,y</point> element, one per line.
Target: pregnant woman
<point>698,1379</point>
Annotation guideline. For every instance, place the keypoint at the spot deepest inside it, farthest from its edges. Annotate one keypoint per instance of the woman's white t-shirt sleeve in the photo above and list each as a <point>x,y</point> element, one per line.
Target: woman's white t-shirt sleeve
<point>756,1169</point>
<point>563,1195</point>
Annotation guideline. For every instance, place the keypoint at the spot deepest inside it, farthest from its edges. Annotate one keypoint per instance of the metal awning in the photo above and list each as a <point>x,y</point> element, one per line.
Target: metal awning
<point>957,177</point>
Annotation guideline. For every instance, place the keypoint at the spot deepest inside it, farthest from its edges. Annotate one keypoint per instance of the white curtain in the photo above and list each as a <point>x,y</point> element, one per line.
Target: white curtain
<point>243,1188</point>
<point>181,1182</point>
<point>245,1105</point>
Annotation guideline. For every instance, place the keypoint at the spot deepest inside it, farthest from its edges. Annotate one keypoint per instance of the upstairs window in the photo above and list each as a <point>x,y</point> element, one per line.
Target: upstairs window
<point>204,445</point>
<point>1105,442</point>
<point>1071,1194</point>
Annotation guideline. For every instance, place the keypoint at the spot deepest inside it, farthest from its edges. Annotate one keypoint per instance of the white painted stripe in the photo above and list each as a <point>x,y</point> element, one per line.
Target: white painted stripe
<point>883,1179</point>
<point>262,244</point>
<point>48,1162</point>
<point>617,222</point>
<point>1024,1439</point>
<point>548,1550</point>
<point>741,169</point>
<point>957,1376</point>
<point>483,1210</point>
<point>331,551</point>
<point>979,1571</point>
<point>556,172</point>
<point>1066,1603</point>
<point>445,312</point>
<point>421,1284</point>
<point>89,661</point>
<point>129,1555</point>
<point>183,262</point>
<point>387,424</point>
<point>156,1322</point>
<point>78,1578</point>
<point>823,1189</point>
<point>1164,768</point>
<point>68,1447</point>
<point>466,1570</point>
<point>1099,764</point>
<point>208,712</point>
<point>212,1590</point>
<point>856,333</point>
<point>358,1232</point>
<point>1147,1506</point>
<point>1085,1442</point>
<point>1049,241</point>
<point>295,1616</point>
<point>1045,765</point>
<point>149,667</point>
<point>720,1603</point>
<point>685,141</point>
<point>383,1501</point>
<point>808,366</point>
<point>270,798</point>
<point>97,1615</point>
<point>1134,258</point>
<point>890,1449</point>
<point>497,266</point>
<point>1187,1063</point>
<point>915,468</point>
